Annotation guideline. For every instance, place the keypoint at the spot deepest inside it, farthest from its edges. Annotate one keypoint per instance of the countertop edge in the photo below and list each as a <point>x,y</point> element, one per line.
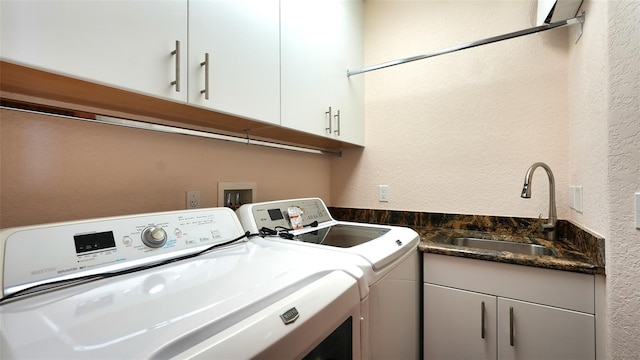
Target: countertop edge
<point>546,262</point>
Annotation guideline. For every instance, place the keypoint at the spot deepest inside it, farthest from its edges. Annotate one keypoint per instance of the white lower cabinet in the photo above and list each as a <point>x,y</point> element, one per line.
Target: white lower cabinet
<point>532,331</point>
<point>476,309</point>
<point>454,325</point>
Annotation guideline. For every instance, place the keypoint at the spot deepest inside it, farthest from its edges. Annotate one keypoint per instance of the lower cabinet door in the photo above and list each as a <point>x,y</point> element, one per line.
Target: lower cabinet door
<point>532,331</point>
<point>458,324</point>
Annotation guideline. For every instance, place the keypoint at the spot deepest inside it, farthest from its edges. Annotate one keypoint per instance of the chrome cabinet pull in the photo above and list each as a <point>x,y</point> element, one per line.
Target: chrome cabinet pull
<point>482,317</point>
<point>176,52</point>
<point>205,63</point>
<point>330,128</point>
<point>337,116</point>
<point>511,340</point>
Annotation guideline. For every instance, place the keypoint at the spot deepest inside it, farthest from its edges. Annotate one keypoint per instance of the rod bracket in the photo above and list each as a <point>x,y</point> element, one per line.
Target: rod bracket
<point>580,19</point>
<point>246,131</point>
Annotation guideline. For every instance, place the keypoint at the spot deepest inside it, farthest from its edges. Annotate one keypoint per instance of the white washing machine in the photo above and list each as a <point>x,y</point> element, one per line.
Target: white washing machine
<point>387,255</point>
<point>185,284</point>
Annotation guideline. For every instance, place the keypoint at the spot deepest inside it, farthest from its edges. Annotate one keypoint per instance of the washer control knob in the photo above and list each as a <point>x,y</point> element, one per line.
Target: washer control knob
<point>154,236</point>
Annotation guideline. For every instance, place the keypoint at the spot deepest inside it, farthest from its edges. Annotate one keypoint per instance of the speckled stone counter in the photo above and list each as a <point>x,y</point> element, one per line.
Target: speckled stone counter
<point>578,250</point>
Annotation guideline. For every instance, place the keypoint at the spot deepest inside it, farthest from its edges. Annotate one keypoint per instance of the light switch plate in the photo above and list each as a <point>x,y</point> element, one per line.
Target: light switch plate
<point>637,210</point>
<point>575,197</point>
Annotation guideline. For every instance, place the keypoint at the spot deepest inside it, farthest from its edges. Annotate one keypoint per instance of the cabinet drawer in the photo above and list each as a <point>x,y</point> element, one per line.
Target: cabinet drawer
<point>563,289</point>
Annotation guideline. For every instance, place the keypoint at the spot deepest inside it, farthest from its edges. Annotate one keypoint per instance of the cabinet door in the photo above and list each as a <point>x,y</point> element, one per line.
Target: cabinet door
<point>320,41</point>
<point>126,44</point>
<point>242,40</point>
<point>543,332</point>
<point>458,324</point>
<point>350,90</point>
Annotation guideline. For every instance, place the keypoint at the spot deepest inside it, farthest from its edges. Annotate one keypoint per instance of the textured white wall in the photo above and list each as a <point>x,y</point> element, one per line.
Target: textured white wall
<point>623,247</point>
<point>604,89</point>
<point>456,133</point>
<point>588,135</point>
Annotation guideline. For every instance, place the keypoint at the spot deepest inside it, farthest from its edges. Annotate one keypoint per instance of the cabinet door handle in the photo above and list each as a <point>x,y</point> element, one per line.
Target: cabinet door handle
<point>328,113</point>
<point>205,63</point>
<point>482,317</point>
<point>176,52</point>
<point>511,339</point>
<point>337,116</point>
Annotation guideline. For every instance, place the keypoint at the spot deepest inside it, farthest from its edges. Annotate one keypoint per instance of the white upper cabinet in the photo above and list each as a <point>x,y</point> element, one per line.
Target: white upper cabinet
<point>320,41</point>
<point>241,38</point>
<point>126,44</point>
<point>280,62</point>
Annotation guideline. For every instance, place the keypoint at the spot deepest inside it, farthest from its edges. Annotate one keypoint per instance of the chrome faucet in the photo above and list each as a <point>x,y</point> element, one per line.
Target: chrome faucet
<point>549,227</point>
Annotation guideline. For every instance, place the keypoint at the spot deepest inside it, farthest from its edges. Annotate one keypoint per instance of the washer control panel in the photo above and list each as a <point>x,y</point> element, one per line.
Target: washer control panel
<point>39,254</point>
<point>276,213</point>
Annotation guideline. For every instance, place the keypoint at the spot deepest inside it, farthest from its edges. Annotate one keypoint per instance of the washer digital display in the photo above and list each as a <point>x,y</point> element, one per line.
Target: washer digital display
<point>275,214</point>
<point>94,241</point>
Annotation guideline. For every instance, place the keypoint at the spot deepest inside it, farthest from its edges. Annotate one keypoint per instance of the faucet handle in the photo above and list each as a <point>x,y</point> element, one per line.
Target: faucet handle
<point>540,223</point>
<point>548,227</point>
<point>545,226</point>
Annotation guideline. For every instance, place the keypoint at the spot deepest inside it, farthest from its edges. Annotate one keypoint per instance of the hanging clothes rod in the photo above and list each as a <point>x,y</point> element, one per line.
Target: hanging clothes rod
<point>576,20</point>
<point>101,119</point>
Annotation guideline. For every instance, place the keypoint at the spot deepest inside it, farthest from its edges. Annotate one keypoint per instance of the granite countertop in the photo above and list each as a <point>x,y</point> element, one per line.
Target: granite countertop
<point>438,241</point>
<point>578,249</point>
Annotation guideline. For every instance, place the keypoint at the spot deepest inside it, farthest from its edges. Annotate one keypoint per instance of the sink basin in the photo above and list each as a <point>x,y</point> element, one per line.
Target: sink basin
<point>520,248</point>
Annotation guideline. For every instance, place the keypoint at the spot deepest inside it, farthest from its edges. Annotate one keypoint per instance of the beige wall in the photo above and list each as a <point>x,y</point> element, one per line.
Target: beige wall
<point>457,133</point>
<point>55,169</point>
<point>589,148</point>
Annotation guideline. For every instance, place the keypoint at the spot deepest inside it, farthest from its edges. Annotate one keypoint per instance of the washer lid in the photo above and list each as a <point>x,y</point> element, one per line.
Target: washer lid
<point>344,236</point>
<point>135,315</point>
<point>380,245</point>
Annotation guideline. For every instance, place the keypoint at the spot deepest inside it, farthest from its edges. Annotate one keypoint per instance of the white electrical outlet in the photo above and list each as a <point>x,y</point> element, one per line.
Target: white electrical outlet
<point>193,199</point>
<point>383,193</point>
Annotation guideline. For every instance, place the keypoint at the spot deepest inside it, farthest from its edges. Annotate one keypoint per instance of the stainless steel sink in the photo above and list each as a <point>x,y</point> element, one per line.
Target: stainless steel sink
<point>520,248</point>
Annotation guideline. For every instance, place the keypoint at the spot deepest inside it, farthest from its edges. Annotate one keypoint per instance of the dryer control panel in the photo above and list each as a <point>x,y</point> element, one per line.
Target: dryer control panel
<point>38,254</point>
<point>276,214</point>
